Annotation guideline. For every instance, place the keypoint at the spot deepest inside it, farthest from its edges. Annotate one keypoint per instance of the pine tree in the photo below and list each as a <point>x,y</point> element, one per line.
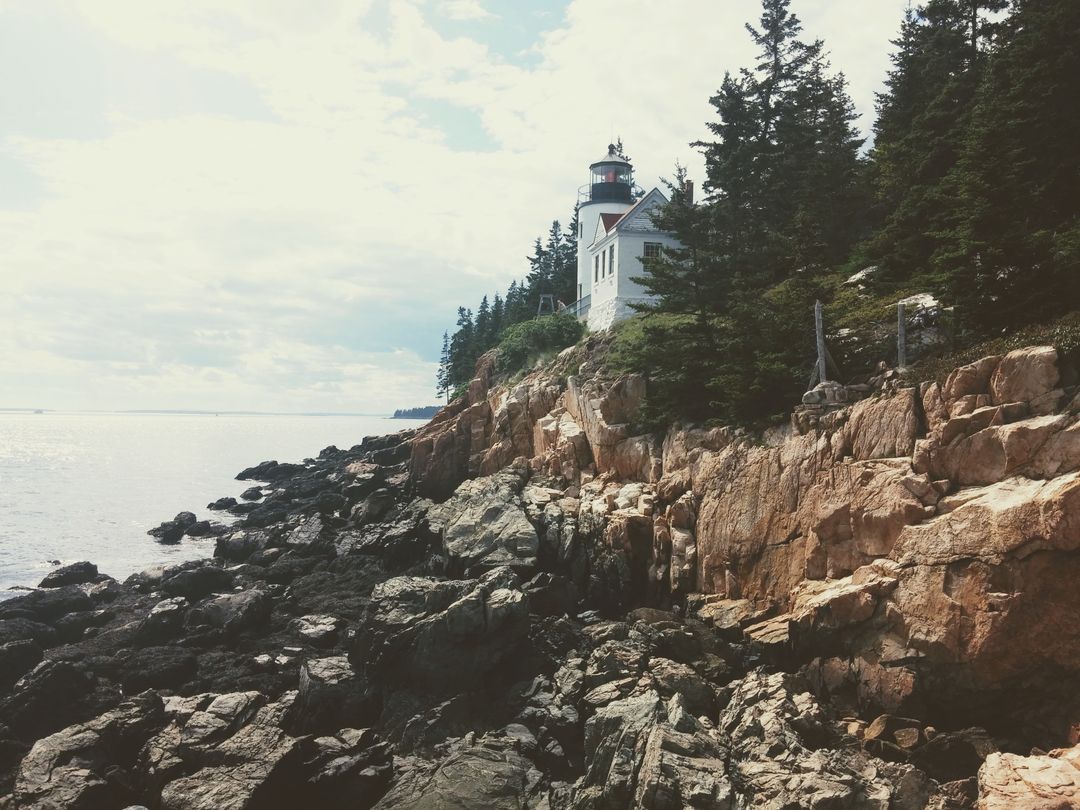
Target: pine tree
<point>482,341</point>
<point>462,345</point>
<point>497,316</point>
<point>442,376</point>
<point>923,118</point>
<point>1013,255</point>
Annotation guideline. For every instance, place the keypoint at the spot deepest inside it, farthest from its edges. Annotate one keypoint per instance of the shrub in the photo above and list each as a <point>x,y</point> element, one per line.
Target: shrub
<point>523,343</point>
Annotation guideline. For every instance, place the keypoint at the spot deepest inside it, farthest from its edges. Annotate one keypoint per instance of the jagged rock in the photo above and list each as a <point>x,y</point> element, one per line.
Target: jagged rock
<point>251,494</point>
<point>74,769</point>
<point>207,528</point>
<point>331,696</point>
<point>244,769</point>
<point>1012,782</point>
<point>239,546</point>
<point>779,754</point>
<point>158,668</point>
<point>234,612</point>
<point>490,773</point>
<point>74,574</point>
<point>644,753</point>
<point>444,635</point>
<point>484,526</point>
<point>164,620</point>
<point>318,629</point>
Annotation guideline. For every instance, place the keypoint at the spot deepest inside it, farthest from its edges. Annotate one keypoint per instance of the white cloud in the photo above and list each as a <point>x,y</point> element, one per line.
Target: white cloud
<point>321,248</point>
<point>465,10</point>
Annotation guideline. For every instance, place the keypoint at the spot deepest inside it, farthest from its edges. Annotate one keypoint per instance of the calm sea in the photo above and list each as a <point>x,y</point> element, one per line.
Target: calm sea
<point>87,486</point>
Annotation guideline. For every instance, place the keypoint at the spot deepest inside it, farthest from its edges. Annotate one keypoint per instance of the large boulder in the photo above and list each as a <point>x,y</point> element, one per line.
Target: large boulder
<point>195,583</point>
<point>1038,782</point>
<point>445,635</point>
<point>83,767</point>
<point>484,526</point>
<point>490,773</point>
<point>73,574</point>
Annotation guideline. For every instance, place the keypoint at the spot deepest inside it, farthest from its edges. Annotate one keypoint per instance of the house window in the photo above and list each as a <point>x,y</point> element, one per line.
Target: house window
<point>603,264</point>
<point>596,269</point>
<point>653,250</point>
<point>611,259</point>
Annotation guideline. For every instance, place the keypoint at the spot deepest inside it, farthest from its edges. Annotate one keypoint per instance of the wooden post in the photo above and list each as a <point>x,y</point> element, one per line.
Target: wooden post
<point>820,329</point>
<point>901,337</point>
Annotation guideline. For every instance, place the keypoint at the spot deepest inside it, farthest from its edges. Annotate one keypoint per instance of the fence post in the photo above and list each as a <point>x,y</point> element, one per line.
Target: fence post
<point>901,337</point>
<point>819,328</point>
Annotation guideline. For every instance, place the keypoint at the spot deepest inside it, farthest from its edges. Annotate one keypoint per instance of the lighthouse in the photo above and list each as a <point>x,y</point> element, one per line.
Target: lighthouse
<point>616,235</point>
<point>610,191</point>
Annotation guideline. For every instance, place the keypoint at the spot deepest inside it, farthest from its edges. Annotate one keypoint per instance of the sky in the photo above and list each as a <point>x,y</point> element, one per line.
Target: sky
<point>278,205</point>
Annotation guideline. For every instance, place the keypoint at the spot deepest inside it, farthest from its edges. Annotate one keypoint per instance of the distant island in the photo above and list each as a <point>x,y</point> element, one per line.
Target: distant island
<point>425,412</point>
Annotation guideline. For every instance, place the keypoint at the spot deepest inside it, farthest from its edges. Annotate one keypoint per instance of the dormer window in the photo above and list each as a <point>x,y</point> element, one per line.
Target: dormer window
<point>653,250</point>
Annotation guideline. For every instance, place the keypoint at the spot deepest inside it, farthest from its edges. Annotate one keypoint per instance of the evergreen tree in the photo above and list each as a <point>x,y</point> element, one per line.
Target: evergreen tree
<point>442,376</point>
<point>497,324</point>
<point>923,118</point>
<point>1013,255</point>
<point>462,355</point>
<point>482,338</point>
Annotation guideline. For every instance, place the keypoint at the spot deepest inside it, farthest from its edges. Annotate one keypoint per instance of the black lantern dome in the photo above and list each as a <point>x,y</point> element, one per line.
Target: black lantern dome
<point>612,178</point>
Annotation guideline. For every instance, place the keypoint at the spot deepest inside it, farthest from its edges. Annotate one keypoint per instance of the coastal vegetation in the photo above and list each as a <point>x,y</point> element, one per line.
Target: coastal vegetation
<point>966,194</point>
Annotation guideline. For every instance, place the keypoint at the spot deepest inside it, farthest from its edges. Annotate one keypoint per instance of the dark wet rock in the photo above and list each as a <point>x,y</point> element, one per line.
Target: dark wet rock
<point>73,574</point>
<point>222,504</point>
<point>238,546</point>
<point>195,583</point>
<point>361,486</point>
<point>47,605</point>
<point>374,507</point>
<point>72,627</point>
<point>16,659</point>
<point>332,695</point>
<point>233,612</point>
<point>330,502</point>
<point>252,494</point>
<point>308,534</point>
<point>48,697</point>
<point>269,471</point>
<point>19,629</point>
<point>318,630</point>
<point>169,532</point>
<point>164,621</point>
<point>442,634</point>
<point>490,773</point>
<point>207,528</point>
<point>158,668</point>
<point>186,519</point>
<point>349,770</point>
<point>80,768</point>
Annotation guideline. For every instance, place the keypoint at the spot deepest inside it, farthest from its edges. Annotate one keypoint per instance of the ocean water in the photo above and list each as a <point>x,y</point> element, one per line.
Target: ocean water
<point>87,486</point>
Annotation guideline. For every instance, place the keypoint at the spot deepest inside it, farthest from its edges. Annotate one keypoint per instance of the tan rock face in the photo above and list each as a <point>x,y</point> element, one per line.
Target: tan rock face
<point>933,530</point>
<point>1011,782</point>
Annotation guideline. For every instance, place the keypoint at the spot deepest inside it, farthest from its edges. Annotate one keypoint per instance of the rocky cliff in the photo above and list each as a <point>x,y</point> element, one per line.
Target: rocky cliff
<point>530,604</point>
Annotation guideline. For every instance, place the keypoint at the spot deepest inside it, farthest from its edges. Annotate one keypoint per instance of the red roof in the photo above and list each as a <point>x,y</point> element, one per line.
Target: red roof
<point>609,221</point>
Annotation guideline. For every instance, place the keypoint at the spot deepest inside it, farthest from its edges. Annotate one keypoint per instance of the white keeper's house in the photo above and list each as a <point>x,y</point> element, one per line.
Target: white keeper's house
<point>615,232</point>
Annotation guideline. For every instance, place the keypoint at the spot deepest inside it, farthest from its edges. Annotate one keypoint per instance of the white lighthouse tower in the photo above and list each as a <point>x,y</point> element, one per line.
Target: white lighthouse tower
<point>616,236</point>
<point>610,191</point>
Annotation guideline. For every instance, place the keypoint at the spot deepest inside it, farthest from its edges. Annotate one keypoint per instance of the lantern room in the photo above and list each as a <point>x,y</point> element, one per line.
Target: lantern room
<point>612,178</point>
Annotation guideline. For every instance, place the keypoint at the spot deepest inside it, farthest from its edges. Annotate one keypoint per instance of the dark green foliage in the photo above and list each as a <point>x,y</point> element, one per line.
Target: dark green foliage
<point>442,376</point>
<point>423,412</point>
<point>552,271</point>
<point>529,340</point>
<point>1011,254</point>
<point>730,335</point>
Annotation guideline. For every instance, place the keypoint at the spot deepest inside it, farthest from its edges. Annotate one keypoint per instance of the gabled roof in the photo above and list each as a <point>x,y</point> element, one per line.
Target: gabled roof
<point>609,220</point>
